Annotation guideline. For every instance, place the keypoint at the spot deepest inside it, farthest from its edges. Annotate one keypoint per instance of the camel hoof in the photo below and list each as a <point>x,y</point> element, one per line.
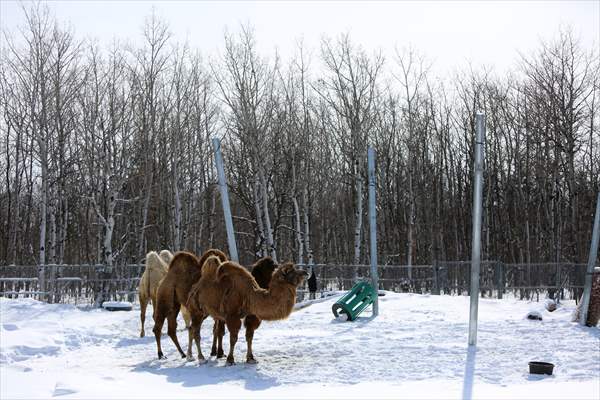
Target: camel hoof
<point>142,334</point>
<point>161,356</point>
<point>202,361</point>
<point>220,354</point>
<point>229,362</point>
<point>251,361</point>
<point>213,353</point>
<point>189,358</point>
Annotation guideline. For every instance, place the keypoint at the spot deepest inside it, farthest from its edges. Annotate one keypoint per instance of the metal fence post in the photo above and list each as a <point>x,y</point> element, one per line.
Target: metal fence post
<point>500,279</point>
<point>477,212</point>
<point>373,228</point>
<point>436,278</point>
<point>41,282</point>
<point>233,254</point>
<point>587,289</point>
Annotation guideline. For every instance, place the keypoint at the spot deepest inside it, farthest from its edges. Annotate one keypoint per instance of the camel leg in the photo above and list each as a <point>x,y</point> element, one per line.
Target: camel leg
<point>172,329</point>
<point>194,335</point>
<point>251,322</point>
<point>233,324</point>
<point>143,305</point>
<point>218,333</point>
<point>159,320</point>
<point>186,316</point>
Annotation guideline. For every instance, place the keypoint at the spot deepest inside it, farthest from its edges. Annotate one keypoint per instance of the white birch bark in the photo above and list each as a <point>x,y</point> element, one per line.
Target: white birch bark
<point>259,220</point>
<point>309,253</point>
<point>177,222</point>
<point>298,229</point>
<point>358,226</point>
<point>268,229</point>
<point>43,212</point>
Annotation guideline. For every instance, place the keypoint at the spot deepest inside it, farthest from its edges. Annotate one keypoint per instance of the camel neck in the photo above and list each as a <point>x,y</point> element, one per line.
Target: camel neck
<point>274,304</point>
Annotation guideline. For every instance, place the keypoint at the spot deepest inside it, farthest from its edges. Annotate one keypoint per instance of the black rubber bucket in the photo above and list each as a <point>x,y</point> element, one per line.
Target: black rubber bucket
<point>539,367</point>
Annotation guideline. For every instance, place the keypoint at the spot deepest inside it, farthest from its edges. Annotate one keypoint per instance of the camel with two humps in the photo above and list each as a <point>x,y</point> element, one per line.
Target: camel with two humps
<point>262,271</point>
<point>173,292</point>
<point>157,266</point>
<point>228,292</point>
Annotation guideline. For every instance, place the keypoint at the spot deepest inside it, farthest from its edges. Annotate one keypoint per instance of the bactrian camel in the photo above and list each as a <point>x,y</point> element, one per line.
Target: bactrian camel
<point>173,292</point>
<point>228,292</point>
<point>262,270</point>
<point>156,269</point>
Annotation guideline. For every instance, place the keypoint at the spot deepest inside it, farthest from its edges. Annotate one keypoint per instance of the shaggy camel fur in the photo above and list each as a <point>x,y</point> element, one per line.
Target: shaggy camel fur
<point>156,269</point>
<point>173,291</point>
<point>262,270</point>
<point>228,292</point>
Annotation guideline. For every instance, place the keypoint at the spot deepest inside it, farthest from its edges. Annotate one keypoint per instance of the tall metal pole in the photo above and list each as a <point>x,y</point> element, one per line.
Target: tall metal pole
<point>587,288</point>
<point>233,254</point>
<point>373,228</point>
<point>476,244</point>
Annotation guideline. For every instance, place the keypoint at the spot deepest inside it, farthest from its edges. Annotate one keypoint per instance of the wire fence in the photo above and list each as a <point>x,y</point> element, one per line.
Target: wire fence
<point>91,284</point>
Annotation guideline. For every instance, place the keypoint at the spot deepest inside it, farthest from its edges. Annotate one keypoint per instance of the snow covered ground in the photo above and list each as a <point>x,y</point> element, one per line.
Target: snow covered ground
<point>416,348</point>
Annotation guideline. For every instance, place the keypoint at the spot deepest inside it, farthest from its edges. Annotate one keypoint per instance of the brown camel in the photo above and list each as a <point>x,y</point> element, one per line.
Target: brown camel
<point>262,270</point>
<point>228,292</point>
<point>173,291</point>
<point>156,269</point>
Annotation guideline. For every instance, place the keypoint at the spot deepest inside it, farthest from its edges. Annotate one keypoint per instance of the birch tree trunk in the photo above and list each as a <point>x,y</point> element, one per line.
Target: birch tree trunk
<point>260,240</point>
<point>177,222</point>
<point>268,229</point>
<point>309,253</point>
<point>298,229</point>
<point>358,226</point>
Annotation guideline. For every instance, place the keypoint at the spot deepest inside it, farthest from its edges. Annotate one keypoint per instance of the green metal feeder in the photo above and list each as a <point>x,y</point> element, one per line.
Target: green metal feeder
<point>355,301</point>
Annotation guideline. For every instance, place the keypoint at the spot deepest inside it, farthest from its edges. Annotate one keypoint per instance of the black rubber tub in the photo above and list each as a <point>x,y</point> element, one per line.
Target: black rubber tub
<point>539,367</point>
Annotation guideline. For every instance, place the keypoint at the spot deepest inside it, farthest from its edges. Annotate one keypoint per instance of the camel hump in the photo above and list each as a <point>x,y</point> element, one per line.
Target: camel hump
<point>213,252</point>
<point>154,261</point>
<point>166,256</point>
<point>262,271</point>
<point>210,267</point>
<point>183,258</point>
<point>231,269</point>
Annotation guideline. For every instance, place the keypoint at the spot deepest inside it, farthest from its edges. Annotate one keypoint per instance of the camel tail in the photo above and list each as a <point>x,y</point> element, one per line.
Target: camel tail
<point>192,301</point>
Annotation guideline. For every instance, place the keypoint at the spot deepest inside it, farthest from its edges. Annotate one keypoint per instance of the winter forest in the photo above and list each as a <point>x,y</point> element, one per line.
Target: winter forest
<point>106,150</point>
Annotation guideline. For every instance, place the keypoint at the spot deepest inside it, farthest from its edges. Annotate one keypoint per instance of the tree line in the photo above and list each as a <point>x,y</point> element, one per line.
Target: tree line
<point>106,151</point>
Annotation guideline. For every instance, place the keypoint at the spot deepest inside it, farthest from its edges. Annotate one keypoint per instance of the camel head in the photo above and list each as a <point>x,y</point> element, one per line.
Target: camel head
<point>289,274</point>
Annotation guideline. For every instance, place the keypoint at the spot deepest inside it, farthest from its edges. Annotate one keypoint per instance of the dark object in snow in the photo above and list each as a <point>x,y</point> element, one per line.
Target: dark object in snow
<point>355,301</point>
<point>312,285</point>
<point>117,306</point>
<point>534,315</point>
<point>381,293</point>
<point>550,305</point>
<point>312,281</point>
<point>540,367</point>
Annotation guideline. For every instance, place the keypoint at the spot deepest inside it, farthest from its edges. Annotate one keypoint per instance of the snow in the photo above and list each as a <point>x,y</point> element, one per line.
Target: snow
<point>416,348</point>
